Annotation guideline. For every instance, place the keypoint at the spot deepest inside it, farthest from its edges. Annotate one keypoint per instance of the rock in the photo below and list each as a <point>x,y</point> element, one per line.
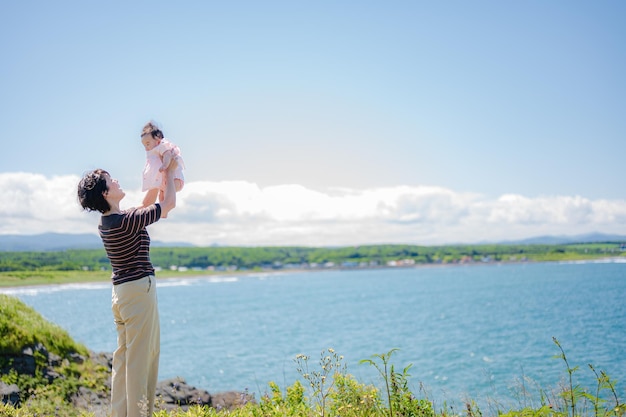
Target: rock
<point>27,362</point>
<point>176,393</point>
<point>76,358</point>
<point>103,359</point>
<point>230,400</point>
<point>171,394</point>
<point>23,364</point>
<point>9,394</point>
<point>96,403</point>
<point>51,375</point>
<point>54,359</point>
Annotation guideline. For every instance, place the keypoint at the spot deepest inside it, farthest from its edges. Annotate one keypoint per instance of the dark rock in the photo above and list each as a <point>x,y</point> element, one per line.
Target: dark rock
<point>103,359</point>
<point>176,393</point>
<point>41,349</point>
<point>54,359</point>
<point>23,364</point>
<point>51,375</point>
<point>97,403</point>
<point>171,394</point>
<point>9,394</point>
<point>26,363</point>
<point>76,358</point>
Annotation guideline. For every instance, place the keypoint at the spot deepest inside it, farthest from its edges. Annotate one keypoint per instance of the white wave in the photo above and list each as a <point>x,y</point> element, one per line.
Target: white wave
<point>189,281</point>
<point>48,289</point>
<point>613,260</point>
<point>174,282</point>
<point>215,280</point>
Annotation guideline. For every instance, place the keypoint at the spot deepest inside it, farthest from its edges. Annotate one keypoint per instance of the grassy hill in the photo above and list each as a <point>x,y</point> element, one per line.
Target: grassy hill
<point>51,370</point>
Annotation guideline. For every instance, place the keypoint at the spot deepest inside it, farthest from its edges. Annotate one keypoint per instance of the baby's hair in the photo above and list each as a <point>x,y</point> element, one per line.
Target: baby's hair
<point>151,129</point>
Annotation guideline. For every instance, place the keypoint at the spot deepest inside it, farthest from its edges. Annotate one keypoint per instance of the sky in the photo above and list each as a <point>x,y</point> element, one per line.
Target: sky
<point>321,123</point>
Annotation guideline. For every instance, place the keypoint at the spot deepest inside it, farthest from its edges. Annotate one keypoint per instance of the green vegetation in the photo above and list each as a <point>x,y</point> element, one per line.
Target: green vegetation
<point>45,277</point>
<point>54,353</point>
<point>21,326</point>
<point>326,388</point>
<point>30,268</point>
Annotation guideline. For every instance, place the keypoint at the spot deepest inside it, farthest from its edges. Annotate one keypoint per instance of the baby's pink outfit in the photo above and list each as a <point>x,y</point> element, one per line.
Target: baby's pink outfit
<point>152,177</point>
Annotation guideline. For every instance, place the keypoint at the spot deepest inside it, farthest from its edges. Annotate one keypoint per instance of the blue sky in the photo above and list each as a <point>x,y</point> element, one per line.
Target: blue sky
<point>439,121</point>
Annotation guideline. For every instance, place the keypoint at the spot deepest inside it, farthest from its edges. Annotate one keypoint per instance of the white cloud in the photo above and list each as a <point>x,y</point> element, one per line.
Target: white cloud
<point>242,213</point>
<point>517,209</point>
<point>33,203</point>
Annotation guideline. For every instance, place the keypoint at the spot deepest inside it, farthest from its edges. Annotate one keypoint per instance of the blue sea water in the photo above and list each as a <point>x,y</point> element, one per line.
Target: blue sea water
<point>469,331</point>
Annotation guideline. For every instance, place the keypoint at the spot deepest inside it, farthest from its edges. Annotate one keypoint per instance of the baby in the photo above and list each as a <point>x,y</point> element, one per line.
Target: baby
<point>159,155</point>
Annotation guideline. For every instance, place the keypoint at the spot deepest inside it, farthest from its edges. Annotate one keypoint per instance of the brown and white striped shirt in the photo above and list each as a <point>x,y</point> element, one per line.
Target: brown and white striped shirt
<point>127,242</point>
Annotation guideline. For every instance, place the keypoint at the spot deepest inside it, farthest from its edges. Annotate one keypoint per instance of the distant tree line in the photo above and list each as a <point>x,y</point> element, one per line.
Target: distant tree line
<point>290,257</point>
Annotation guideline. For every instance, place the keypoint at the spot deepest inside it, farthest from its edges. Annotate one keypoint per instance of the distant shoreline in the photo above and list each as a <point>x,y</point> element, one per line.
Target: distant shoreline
<point>61,278</point>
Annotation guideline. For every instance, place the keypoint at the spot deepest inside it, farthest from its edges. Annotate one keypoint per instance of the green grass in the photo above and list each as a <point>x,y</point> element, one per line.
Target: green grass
<point>24,278</point>
<point>22,326</point>
<point>28,278</point>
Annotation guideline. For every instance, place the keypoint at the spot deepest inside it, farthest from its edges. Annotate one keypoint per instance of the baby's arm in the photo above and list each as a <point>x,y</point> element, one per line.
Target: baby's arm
<point>166,159</point>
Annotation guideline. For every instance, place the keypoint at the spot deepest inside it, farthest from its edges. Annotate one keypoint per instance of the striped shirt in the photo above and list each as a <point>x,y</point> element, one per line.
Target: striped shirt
<point>127,242</point>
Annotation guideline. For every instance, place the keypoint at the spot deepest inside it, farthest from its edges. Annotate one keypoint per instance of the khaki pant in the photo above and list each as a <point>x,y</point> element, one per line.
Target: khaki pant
<point>136,360</point>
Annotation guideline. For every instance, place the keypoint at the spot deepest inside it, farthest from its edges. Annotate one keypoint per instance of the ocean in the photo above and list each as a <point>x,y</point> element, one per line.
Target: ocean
<point>478,332</point>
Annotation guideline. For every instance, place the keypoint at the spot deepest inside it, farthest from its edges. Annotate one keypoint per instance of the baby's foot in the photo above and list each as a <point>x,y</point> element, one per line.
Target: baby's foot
<point>164,216</point>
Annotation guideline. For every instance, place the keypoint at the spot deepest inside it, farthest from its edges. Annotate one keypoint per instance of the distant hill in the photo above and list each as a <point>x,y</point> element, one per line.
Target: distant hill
<point>59,241</point>
<point>49,242</point>
<point>562,240</point>
<point>63,241</point>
